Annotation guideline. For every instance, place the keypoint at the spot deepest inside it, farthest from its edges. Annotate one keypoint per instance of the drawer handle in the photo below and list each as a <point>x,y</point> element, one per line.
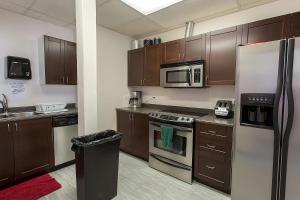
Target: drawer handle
<point>213,132</point>
<point>211,146</point>
<point>216,135</point>
<point>210,167</point>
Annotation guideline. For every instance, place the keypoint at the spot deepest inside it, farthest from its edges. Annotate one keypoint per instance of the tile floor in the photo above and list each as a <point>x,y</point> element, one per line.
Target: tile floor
<point>137,181</point>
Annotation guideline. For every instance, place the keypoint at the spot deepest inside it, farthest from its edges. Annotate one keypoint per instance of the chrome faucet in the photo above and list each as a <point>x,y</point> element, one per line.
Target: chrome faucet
<point>4,104</point>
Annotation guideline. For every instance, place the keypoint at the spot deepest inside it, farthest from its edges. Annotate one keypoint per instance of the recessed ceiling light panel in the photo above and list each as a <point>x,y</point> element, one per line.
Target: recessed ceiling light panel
<point>150,6</point>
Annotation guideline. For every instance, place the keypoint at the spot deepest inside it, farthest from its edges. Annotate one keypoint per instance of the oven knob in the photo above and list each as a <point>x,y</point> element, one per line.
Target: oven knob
<point>188,119</point>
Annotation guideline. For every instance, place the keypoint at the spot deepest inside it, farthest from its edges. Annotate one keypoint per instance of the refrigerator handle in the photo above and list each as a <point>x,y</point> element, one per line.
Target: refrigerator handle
<point>276,111</point>
<point>290,117</point>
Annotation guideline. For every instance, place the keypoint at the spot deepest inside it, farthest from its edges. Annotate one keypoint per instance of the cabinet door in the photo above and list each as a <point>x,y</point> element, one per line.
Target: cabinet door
<point>33,147</point>
<point>54,60</point>
<point>153,60</point>
<point>174,51</point>
<point>124,123</point>
<point>135,67</point>
<point>70,63</point>
<point>294,25</point>
<point>221,56</point>
<point>265,30</point>
<point>140,136</point>
<point>6,154</point>
<point>194,48</point>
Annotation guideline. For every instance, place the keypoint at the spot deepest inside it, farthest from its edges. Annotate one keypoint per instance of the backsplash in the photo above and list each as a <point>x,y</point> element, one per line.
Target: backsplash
<point>188,97</point>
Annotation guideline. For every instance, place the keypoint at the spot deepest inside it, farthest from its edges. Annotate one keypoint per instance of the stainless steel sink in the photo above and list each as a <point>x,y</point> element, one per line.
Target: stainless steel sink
<point>18,114</point>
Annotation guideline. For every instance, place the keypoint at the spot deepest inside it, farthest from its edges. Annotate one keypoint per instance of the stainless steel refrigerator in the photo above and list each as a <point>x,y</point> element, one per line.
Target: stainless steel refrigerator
<point>266,150</point>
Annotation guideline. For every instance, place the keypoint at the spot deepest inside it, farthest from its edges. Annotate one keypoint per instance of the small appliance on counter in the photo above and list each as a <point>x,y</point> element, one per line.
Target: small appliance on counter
<point>223,109</point>
<point>135,100</point>
<point>45,108</point>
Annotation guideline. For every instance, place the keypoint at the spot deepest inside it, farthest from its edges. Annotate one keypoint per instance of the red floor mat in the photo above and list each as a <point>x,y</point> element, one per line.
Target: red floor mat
<point>31,190</point>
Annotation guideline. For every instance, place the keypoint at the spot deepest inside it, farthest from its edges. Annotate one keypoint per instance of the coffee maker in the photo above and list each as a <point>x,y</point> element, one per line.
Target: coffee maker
<point>135,99</point>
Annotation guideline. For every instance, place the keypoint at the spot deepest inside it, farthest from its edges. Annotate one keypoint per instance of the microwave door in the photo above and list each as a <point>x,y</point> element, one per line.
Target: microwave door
<point>176,76</point>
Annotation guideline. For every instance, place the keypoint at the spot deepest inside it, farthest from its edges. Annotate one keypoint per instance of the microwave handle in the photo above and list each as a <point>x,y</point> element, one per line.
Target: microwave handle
<point>189,76</point>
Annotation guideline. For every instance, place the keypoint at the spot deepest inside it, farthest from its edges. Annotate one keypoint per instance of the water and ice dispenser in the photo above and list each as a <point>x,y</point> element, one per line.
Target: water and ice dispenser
<point>257,110</point>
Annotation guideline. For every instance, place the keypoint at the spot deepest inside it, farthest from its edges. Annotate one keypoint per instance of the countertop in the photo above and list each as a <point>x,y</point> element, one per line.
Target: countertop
<point>209,118</point>
<point>38,116</point>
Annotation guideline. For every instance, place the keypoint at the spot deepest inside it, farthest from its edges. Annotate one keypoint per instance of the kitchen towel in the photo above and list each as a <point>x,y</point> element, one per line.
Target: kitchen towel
<point>167,136</point>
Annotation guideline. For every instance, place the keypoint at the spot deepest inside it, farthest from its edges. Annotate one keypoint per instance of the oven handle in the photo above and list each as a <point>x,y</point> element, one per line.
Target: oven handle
<point>176,129</point>
<point>173,163</point>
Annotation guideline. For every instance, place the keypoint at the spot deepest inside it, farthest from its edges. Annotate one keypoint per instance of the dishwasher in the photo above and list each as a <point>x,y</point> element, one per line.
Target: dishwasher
<point>65,127</point>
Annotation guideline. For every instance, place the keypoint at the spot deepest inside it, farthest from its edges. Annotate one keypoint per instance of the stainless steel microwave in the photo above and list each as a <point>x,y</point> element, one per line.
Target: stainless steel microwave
<point>18,68</point>
<point>182,75</point>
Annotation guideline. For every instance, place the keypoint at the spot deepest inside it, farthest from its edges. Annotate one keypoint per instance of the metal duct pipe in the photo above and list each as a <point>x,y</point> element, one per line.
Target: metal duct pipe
<point>189,28</point>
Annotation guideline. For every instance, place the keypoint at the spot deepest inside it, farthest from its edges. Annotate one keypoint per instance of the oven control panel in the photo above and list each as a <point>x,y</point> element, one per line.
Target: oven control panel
<point>171,118</point>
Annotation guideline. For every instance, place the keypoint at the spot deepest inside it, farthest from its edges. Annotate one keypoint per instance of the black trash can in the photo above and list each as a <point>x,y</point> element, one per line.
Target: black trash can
<point>97,162</point>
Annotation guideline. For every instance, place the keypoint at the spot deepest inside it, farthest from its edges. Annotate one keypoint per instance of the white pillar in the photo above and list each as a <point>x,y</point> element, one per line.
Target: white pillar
<point>87,66</point>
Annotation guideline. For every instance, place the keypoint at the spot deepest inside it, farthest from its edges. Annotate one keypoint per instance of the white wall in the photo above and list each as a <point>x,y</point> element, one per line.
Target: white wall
<point>206,98</point>
<point>19,37</point>
<point>112,75</point>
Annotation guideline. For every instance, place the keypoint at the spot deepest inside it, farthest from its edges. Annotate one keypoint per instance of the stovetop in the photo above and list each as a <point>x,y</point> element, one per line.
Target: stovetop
<point>183,112</point>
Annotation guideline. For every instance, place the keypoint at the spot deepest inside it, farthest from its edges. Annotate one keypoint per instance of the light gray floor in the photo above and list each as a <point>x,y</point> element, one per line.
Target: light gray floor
<point>137,181</point>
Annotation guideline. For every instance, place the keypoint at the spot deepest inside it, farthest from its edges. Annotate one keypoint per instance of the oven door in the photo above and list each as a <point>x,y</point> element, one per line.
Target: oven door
<point>182,148</point>
<point>176,76</point>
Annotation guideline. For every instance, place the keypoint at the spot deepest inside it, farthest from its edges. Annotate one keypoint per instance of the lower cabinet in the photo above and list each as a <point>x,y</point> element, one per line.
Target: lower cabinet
<point>212,159</point>
<point>26,149</point>
<point>32,146</point>
<point>6,154</point>
<point>135,129</point>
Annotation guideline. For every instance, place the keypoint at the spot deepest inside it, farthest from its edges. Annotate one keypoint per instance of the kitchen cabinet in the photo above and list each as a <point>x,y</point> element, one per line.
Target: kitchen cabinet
<point>221,56</point>
<point>135,67</point>
<point>6,154</point>
<point>174,51</point>
<point>195,48</point>
<point>33,146</point>
<point>265,30</point>
<point>60,61</point>
<point>135,129</point>
<point>153,60</point>
<point>212,159</point>
<point>294,20</point>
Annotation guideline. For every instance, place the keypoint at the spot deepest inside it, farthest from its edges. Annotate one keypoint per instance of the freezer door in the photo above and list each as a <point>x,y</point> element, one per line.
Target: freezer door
<point>292,191</point>
<point>257,72</point>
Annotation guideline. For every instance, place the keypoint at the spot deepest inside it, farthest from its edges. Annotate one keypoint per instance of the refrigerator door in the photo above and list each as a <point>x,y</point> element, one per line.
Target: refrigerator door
<point>257,72</point>
<point>292,191</point>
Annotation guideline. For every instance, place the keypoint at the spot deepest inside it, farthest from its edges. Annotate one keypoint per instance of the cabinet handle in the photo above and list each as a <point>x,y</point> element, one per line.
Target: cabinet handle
<point>213,132</point>
<point>67,79</point>
<point>8,127</point>
<point>183,54</point>
<point>16,127</point>
<point>63,78</point>
<point>210,167</point>
<point>211,146</point>
<point>141,82</point>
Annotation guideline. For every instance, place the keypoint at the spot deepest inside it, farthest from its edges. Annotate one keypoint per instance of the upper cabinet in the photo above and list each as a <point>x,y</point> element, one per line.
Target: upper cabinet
<point>144,66</point>
<point>60,61</point>
<point>221,56</point>
<point>265,30</point>
<point>294,25</point>
<point>194,48</point>
<point>153,60</point>
<point>174,51</point>
<point>135,67</point>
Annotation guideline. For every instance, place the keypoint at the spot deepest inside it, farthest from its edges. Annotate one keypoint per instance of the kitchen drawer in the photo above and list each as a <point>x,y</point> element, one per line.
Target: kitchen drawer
<point>223,132</point>
<point>213,144</point>
<point>213,169</point>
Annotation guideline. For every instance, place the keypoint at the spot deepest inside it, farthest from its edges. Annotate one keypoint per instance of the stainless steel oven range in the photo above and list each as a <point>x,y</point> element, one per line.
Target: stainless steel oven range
<point>177,159</point>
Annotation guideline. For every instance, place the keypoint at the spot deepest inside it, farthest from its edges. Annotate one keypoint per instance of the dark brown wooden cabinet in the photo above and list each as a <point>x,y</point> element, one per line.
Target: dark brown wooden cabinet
<point>221,56</point>
<point>212,159</point>
<point>265,30</point>
<point>153,60</point>
<point>135,129</point>
<point>60,61</point>
<point>6,154</point>
<point>135,67</point>
<point>195,48</point>
<point>32,146</point>
<point>174,51</point>
<point>294,20</point>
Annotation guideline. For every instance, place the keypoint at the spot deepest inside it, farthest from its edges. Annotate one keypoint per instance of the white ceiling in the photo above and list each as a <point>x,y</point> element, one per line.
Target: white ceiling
<point>116,15</point>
